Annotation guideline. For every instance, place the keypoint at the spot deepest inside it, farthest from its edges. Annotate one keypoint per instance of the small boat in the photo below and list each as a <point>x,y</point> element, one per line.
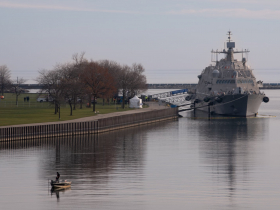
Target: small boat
<point>60,184</point>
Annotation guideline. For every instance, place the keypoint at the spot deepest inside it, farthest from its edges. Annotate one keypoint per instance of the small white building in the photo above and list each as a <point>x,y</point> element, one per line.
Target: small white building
<point>135,102</point>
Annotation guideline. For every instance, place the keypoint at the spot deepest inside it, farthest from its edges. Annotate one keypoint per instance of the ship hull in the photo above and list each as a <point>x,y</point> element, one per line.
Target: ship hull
<point>235,105</point>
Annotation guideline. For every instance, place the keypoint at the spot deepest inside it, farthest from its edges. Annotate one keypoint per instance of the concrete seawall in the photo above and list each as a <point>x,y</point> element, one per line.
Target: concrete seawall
<point>89,125</point>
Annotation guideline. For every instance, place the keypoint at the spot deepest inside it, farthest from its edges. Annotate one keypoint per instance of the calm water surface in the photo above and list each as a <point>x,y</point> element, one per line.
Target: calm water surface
<point>185,164</point>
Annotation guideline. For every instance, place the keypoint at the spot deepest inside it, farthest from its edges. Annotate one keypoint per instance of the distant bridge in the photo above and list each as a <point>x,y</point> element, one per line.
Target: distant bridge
<point>193,85</point>
<point>162,86</point>
<point>31,86</point>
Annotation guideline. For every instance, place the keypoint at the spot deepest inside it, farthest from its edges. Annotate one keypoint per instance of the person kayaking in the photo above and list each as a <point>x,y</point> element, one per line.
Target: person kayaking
<point>57,177</point>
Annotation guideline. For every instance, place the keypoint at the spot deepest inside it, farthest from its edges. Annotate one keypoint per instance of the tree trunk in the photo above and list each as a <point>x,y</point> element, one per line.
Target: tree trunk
<point>55,107</point>
<point>89,101</point>
<point>81,104</point>
<point>103,101</point>
<point>70,104</point>
<point>123,101</point>
<point>74,105</point>
<point>93,109</point>
<point>59,111</point>
<point>16,99</point>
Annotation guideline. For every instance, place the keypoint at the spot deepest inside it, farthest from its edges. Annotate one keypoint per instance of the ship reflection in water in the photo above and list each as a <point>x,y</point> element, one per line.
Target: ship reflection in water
<point>225,147</point>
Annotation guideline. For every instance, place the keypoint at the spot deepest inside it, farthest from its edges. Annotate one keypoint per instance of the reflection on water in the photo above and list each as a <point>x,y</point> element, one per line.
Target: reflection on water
<point>225,145</point>
<point>57,191</point>
<point>78,157</point>
<point>192,163</point>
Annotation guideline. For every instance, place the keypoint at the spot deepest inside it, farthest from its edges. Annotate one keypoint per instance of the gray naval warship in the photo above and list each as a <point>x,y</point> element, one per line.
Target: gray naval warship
<point>229,87</point>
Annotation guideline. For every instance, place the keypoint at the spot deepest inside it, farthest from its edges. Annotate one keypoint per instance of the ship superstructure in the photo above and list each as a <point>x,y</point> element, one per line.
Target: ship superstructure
<point>229,87</point>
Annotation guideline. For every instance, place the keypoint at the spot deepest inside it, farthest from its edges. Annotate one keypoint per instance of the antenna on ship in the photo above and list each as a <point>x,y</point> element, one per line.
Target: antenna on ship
<point>229,34</point>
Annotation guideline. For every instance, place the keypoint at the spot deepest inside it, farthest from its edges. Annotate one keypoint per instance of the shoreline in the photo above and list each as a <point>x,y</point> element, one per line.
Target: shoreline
<point>89,125</point>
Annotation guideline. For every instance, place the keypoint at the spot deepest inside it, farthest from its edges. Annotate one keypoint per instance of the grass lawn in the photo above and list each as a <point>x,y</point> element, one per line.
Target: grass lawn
<point>36,112</point>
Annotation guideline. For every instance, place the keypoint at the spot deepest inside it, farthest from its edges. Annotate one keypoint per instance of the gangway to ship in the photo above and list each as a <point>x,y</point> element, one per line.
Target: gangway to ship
<point>175,98</point>
<point>178,99</point>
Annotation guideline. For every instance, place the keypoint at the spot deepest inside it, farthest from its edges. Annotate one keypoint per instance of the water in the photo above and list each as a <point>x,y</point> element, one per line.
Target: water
<point>184,164</point>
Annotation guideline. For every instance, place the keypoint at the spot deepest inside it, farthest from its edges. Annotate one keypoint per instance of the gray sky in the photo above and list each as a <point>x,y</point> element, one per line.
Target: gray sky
<point>172,39</point>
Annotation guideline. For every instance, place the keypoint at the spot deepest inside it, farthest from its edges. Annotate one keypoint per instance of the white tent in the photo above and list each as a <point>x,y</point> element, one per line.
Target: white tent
<point>135,102</point>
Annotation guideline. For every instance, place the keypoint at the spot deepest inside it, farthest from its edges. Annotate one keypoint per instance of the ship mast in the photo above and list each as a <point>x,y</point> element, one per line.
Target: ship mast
<point>229,33</point>
<point>229,53</point>
<point>230,46</point>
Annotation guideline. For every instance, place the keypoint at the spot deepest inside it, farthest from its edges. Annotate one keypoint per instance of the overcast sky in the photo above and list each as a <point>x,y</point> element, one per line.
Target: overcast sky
<point>172,39</point>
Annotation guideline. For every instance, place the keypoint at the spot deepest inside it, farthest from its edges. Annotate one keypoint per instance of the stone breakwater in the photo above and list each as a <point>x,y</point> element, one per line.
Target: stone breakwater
<point>193,86</point>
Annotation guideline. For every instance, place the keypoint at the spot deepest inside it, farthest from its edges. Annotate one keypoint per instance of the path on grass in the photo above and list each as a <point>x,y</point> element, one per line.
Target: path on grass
<point>152,106</point>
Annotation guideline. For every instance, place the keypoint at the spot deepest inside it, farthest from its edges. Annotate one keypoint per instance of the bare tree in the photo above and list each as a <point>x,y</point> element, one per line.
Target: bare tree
<point>114,70</point>
<point>79,59</point>
<point>132,81</point>
<point>124,81</point>
<point>138,80</point>
<point>50,79</point>
<point>98,81</point>
<point>129,81</point>
<point>73,87</point>
<point>16,89</point>
<point>83,79</point>
<point>5,78</point>
<point>79,89</point>
<point>63,83</point>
